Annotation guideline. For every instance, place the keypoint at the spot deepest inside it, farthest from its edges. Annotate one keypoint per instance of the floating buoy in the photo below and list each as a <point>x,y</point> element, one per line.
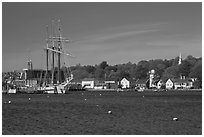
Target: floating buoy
<point>109,112</point>
<point>143,96</point>
<point>85,99</point>
<point>29,99</point>
<point>100,94</point>
<point>175,119</point>
<point>9,102</point>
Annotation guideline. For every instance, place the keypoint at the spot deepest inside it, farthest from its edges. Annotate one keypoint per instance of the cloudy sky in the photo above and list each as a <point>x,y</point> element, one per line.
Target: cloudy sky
<point>112,32</point>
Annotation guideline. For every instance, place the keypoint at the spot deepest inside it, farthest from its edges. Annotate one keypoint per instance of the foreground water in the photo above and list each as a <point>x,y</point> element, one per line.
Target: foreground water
<point>83,112</point>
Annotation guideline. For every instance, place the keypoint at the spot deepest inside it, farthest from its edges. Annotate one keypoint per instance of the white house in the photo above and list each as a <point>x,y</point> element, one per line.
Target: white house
<point>125,83</point>
<point>169,84</point>
<point>179,83</point>
<point>183,83</point>
<point>160,83</point>
<point>88,83</point>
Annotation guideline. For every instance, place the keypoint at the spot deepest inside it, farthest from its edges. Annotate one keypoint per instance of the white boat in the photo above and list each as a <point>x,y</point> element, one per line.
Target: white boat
<point>12,91</point>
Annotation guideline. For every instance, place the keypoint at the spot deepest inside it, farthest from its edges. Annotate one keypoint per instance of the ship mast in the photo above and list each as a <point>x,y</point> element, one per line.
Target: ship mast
<point>47,40</point>
<point>59,49</point>
<point>53,53</point>
<point>54,39</point>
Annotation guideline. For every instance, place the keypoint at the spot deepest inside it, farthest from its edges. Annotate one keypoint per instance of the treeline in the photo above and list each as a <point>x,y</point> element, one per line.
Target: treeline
<point>190,67</point>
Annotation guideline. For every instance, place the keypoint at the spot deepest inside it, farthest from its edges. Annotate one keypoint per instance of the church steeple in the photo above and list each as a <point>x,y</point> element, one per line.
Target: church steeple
<point>180,59</point>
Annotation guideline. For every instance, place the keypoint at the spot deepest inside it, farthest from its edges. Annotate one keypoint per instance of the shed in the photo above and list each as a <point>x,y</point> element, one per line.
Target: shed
<point>88,83</point>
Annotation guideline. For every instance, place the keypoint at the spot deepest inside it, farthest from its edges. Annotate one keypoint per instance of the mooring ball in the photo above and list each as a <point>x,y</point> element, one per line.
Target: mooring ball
<point>109,112</point>
<point>175,119</point>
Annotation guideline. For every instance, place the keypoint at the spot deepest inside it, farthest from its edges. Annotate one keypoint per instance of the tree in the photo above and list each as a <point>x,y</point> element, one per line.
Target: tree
<point>184,68</point>
<point>171,72</point>
<point>99,73</point>
<point>141,72</point>
<point>124,74</point>
<point>196,71</point>
<point>90,69</point>
<point>160,69</point>
<point>197,84</point>
<point>191,67</point>
<point>103,65</point>
<point>175,61</point>
<point>80,74</point>
<point>144,64</point>
<point>191,60</point>
<point>154,63</point>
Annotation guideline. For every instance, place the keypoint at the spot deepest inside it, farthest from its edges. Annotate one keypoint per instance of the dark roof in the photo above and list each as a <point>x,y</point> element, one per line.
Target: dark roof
<point>125,78</point>
<point>181,80</point>
<point>88,79</point>
<point>76,80</point>
<point>141,81</point>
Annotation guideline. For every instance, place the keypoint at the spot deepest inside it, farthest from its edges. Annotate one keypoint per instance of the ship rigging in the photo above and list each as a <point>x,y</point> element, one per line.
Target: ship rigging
<point>55,47</point>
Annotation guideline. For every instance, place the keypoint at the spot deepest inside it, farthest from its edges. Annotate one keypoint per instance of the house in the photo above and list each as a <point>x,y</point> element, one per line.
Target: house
<point>183,83</point>
<point>141,83</point>
<point>179,83</point>
<point>99,85</point>
<point>169,84</point>
<point>160,83</point>
<point>88,83</point>
<point>110,84</point>
<point>125,83</point>
<point>75,85</point>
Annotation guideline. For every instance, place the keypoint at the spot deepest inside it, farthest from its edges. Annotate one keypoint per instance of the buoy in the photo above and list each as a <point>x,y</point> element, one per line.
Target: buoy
<point>175,119</point>
<point>109,112</point>
<point>100,94</point>
<point>29,99</point>
<point>85,99</point>
<point>143,96</point>
<point>9,102</point>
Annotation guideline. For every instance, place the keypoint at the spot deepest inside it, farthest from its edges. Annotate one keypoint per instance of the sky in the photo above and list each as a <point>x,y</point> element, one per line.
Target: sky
<point>114,32</point>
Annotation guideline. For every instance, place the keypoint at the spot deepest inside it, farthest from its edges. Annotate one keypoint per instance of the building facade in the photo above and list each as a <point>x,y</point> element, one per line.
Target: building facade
<point>125,83</point>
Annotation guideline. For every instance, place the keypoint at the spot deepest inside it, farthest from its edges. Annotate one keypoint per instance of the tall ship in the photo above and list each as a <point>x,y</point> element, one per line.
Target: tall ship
<point>57,76</point>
